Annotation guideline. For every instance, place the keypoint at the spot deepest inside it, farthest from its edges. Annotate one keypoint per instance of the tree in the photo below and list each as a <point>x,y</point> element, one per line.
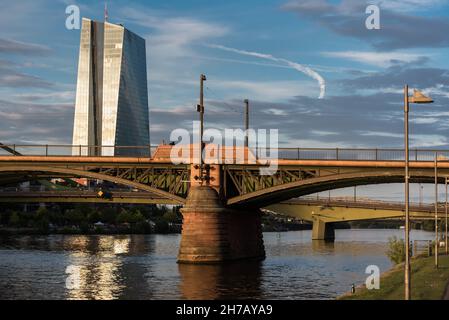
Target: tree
<point>41,213</point>
<point>93,216</point>
<point>74,216</point>
<point>136,216</point>
<point>396,250</point>
<point>108,215</point>
<point>123,217</point>
<point>171,216</point>
<point>14,219</point>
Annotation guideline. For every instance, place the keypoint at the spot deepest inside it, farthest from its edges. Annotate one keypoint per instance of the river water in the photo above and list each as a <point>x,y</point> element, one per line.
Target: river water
<point>144,267</point>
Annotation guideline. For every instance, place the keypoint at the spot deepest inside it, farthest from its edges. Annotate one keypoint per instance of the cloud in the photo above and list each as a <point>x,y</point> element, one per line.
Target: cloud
<point>40,123</point>
<point>368,118</point>
<point>397,76</point>
<point>299,67</point>
<point>9,46</point>
<point>15,79</point>
<point>11,78</point>
<point>409,5</point>
<point>264,90</point>
<point>66,96</point>
<point>174,51</point>
<point>346,121</point>
<point>398,29</point>
<point>173,36</point>
<point>380,59</point>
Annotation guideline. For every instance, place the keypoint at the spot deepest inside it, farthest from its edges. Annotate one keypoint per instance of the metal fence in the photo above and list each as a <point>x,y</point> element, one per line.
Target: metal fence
<point>360,154</point>
<point>422,247</point>
<point>260,153</point>
<point>76,150</point>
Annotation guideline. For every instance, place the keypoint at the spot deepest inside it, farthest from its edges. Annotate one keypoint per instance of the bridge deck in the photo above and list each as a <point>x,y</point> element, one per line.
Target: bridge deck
<point>281,162</point>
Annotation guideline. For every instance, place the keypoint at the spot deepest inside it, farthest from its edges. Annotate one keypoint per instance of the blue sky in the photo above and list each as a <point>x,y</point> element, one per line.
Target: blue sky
<point>39,57</point>
<point>364,70</point>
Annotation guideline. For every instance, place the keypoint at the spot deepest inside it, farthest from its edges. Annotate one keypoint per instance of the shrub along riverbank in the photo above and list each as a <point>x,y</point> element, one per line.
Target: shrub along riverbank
<point>112,219</point>
<point>90,219</point>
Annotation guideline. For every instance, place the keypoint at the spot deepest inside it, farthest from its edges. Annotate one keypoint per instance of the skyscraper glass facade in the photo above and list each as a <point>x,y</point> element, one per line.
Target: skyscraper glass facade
<point>111,99</point>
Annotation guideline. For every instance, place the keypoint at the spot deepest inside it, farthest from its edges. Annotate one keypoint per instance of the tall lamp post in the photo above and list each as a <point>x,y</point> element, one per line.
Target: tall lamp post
<point>200,109</point>
<point>445,209</point>
<point>436,210</point>
<point>417,97</point>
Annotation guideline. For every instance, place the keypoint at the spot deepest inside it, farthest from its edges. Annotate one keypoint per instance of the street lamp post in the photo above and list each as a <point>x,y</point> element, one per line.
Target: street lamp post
<point>416,98</point>
<point>200,109</point>
<point>445,209</point>
<point>436,210</point>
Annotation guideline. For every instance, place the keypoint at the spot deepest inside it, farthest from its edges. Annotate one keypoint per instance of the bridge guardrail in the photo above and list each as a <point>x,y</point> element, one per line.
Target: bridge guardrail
<point>73,189</point>
<point>288,153</point>
<point>75,150</point>
<point>364,200</point>
<point>361,154</point>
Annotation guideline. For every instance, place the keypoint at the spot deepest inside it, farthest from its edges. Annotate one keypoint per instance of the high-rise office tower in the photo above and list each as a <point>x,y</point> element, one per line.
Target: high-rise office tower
<point>111,94</point>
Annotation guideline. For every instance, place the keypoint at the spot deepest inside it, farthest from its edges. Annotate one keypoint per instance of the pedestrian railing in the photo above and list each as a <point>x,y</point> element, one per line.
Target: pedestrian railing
<point>260,153</point>
<point>350,200</point>
<point>76,150</point>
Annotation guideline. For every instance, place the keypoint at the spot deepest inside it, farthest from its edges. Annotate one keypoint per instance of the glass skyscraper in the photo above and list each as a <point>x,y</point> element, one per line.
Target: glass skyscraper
<point>111,94</point>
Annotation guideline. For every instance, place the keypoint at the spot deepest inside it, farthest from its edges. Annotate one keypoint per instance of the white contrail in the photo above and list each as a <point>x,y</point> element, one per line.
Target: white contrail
<point>304,69</point>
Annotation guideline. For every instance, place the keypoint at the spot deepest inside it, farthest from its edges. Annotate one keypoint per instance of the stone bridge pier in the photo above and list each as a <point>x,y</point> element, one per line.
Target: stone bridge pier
<point>322,230</point>
<point>213,233</point>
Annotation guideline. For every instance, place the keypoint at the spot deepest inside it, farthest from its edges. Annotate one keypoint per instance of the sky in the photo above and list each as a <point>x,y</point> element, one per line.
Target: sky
<point>310,68</point>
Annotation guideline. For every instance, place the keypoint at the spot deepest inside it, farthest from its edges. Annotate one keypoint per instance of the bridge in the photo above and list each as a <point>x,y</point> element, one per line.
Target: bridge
<point>323,213</point>
<point>221,215</point>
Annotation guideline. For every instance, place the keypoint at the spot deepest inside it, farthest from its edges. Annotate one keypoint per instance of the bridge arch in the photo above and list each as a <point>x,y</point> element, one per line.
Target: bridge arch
<point>282,192</point>
<point>30,170</point>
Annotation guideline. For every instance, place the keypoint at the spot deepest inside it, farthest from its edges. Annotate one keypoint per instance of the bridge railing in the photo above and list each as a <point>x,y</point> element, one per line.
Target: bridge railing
<point>85,189</point>
<point>359,154</point>
<point>75,150</point>
<point>282,153</point>
<point>349,200</point>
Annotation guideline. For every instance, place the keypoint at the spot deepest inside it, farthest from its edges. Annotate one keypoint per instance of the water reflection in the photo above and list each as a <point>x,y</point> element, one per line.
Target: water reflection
<point>144,267</point>
<point>322,246</point>
<point>221,281</point>
<point>100,279</point>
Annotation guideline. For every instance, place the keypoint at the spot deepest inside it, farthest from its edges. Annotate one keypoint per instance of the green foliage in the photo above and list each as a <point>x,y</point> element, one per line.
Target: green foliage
<point>396,250</point>
<point>172,216</point>
<point>428,225</point>
<point>108,215</point>
<point>131,216</point>
<point>14,219</point>
<point>74,216</point>
<point>161,225</point>
<point>93,216</point>
<point>427,283</point>
<point>42,213</point>
<point>66,218</point>
<point>123,216</point>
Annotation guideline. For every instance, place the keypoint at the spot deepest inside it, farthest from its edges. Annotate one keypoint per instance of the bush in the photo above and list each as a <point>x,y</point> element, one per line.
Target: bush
<point>161,226</point>
<point>14,219</point>
<point>108,215</point>
<point>396,250</point>
<point>172,216</point>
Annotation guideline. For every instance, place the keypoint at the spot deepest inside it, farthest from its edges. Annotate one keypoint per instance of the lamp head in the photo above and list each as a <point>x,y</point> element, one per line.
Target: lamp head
<point>419,97</point>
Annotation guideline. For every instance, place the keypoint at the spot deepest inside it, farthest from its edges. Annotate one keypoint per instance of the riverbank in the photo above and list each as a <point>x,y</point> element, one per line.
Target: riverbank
<point>427,282</point>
